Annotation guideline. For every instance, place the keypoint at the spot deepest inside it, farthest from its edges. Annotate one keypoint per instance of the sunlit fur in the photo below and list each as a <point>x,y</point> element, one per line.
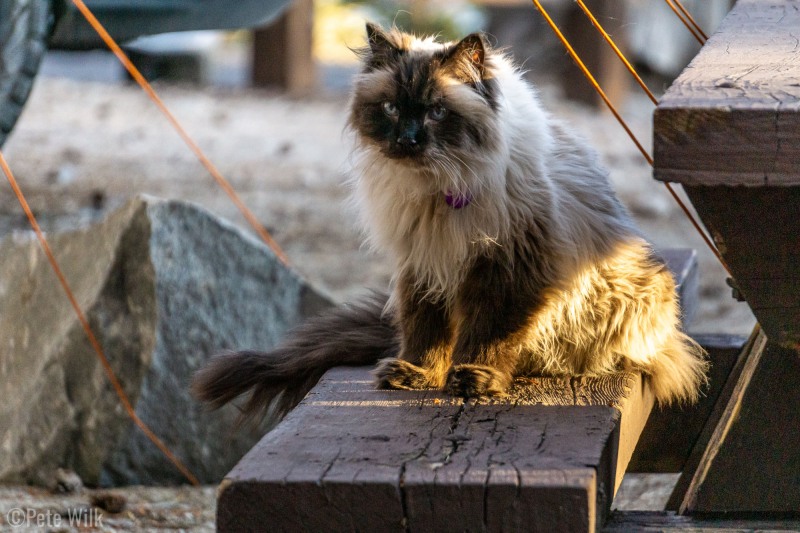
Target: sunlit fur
<point>610,303</point>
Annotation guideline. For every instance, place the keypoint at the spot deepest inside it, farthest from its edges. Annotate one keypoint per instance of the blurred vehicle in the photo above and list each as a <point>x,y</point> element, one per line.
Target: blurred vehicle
<point>29,27</point>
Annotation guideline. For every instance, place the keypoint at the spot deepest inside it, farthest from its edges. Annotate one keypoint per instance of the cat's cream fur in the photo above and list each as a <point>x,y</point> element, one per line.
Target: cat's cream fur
<point>610,307</point>
<point>542,273</point>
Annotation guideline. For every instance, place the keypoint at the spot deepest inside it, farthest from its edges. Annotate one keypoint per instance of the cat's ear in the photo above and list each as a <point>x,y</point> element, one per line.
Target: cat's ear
<point>377,39</point>
<point>381,48</point>
<point>467,58</point>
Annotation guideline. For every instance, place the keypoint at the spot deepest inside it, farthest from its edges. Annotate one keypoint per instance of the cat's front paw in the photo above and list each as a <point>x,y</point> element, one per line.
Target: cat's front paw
<point>470,381</point>
<point>393,373</point>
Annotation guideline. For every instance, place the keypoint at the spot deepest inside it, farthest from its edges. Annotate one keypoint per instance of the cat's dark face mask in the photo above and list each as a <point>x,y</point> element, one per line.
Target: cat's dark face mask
<point>404,112</point>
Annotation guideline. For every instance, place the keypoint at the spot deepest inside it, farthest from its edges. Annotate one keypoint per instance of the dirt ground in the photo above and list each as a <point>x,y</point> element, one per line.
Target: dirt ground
<point>125,509</point>
<point>83,147</point>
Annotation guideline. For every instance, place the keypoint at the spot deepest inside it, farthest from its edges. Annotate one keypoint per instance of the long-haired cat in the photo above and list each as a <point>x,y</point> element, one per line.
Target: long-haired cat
<point>512,256</point>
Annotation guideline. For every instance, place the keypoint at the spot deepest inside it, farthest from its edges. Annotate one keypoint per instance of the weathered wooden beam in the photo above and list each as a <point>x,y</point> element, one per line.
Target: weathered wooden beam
<point>733,116</point>
<point>757,230</point>
<point>350,457</point>
<point>728,129</point>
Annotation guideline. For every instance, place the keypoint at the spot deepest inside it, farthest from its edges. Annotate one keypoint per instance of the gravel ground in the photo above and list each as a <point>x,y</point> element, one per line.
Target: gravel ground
<point>83,147</point>
<point>123,509</point>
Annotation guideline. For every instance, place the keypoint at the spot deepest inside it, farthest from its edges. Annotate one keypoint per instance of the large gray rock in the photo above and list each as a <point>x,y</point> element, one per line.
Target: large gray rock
<point>164,285</point>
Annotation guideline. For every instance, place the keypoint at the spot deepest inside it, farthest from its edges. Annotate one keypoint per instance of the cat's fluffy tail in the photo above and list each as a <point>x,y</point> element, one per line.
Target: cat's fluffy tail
<point>356,334</point>
<point>679,372</point>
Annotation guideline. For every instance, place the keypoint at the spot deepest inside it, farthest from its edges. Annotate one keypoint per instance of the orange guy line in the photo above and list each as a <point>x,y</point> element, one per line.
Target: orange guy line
<point>87,329</point>
<point>691,19</point>
<point>206,162</point>
<point>686,23</point>
<point>582,66</point>
<point>617,51</point>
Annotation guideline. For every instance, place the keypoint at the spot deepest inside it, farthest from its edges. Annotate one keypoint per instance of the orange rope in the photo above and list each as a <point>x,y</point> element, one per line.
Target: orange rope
<point>215,173</point>
<point>621,121</point>
<point>686,23</point>
<point>88,330</point>
<point>691,19</point>
<point>617,51</point>
<point>592,80</point>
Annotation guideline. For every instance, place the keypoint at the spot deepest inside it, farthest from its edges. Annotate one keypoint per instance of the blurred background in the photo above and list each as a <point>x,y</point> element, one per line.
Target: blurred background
<point>268,104</point>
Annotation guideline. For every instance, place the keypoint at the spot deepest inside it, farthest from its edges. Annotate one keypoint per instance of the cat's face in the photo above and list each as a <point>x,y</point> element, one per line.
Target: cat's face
<point>423,102</point>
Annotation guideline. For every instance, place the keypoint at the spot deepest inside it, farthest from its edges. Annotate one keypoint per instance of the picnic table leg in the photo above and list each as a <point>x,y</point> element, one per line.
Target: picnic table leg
<point>751,461</point>
<point>282,51</point>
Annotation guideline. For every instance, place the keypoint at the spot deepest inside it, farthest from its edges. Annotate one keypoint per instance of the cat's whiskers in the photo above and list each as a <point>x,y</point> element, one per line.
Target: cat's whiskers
<point>453,172</point>
<point>465,166</point>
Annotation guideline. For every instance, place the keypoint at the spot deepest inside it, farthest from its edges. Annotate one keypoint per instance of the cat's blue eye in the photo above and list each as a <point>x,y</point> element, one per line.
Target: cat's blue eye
<point>390,109</point>
<point>437,112</point>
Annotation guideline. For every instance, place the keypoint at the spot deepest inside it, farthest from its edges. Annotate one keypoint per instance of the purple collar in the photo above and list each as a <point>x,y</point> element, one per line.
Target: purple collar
<point>457,200</point>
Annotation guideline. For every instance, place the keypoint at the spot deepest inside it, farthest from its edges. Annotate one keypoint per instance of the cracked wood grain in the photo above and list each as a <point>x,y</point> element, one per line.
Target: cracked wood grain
<point>733,116</point>
<point>351,458</point>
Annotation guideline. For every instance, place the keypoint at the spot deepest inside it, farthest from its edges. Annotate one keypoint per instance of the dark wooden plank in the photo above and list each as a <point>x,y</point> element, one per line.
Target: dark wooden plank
<point>426,461</point>
<point>756,230</point>
<point>752,463</point>
<point>656,522</point>
<point>282,51</point>
<point>672,432</point>
<point>733,116</point>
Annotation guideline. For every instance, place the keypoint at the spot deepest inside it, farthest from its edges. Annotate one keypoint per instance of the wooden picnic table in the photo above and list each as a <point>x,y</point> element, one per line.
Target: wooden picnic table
<point>728,129</point>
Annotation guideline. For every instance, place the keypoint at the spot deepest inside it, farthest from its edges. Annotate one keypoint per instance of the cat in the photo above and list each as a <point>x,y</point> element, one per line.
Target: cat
<point>511,254</point>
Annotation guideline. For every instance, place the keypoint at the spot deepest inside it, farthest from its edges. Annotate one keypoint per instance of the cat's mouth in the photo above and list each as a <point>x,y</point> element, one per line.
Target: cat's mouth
<point>399,151</point>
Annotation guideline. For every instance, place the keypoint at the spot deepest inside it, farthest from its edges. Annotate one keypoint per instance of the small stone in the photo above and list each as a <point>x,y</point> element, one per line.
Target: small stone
<point>67,481</point>
<point>109,501</point>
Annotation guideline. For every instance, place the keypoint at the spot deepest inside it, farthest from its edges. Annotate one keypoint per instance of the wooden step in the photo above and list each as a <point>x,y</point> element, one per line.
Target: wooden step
<point>349,457</point>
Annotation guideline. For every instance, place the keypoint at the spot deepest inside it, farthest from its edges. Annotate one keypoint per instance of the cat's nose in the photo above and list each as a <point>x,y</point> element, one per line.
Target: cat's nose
<point>408,136</point>
<point>407,140</point>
